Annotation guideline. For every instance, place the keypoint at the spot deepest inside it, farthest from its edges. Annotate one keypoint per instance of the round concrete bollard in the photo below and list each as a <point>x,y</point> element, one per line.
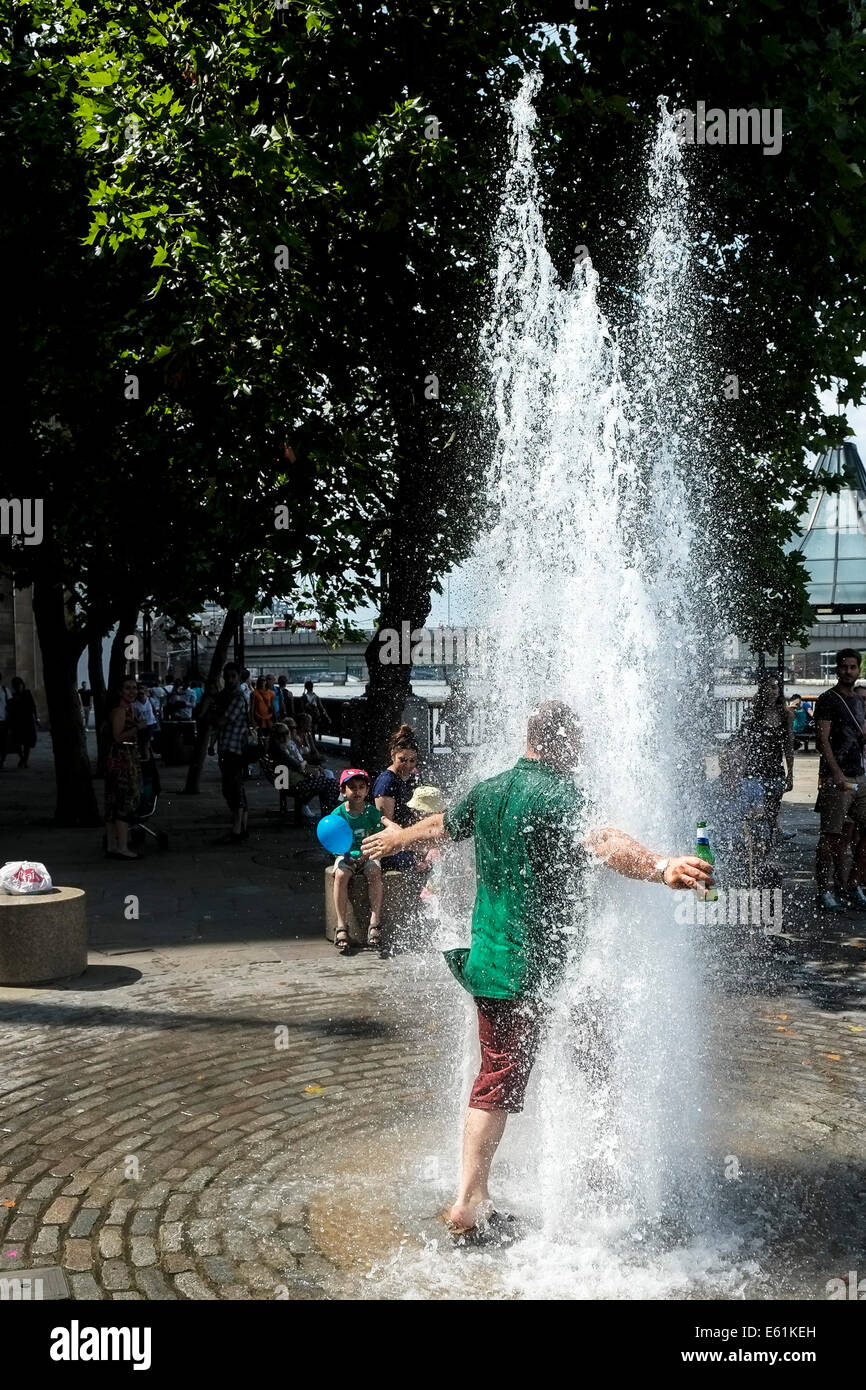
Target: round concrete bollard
<point>357,930</point>
<point>43,936</point>
<point>358,913</point>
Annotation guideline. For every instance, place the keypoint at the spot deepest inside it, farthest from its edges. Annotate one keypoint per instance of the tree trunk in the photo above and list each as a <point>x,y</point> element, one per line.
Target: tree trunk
<point>99,698</point>
<point>61,648</point>
<point>193,776</point>
<point>407,600</point>
<point>118,660</point>
<point>96,676</point>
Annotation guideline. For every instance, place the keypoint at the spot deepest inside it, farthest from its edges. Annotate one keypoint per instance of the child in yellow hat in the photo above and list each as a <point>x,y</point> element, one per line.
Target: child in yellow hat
<point>428,801</point>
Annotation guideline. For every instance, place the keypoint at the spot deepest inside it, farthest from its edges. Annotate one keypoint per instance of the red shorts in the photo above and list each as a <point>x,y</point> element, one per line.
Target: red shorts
<point>508,1032</point>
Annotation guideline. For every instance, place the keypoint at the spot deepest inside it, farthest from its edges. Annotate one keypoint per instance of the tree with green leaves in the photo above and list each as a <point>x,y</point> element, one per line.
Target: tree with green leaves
<point>166,479</point>
<point>275,225</point>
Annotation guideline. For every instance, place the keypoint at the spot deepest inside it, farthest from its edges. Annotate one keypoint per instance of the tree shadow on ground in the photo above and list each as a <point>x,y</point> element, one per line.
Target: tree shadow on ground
<point>71,1016</point>
<point>830,971</point>
<point>805,1224</point>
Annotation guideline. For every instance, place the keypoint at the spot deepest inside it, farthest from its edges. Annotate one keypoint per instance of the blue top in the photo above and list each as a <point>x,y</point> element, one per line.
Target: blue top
<point>402,790</point>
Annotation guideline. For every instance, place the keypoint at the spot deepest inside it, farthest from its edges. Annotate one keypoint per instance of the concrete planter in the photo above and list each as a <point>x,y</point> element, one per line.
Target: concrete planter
<point>43,936</point>
<point>394,906</point>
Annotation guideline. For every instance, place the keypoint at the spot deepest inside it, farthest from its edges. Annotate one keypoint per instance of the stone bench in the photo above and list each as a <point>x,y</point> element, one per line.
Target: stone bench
<point>396,904</point>
<point>43,936</point>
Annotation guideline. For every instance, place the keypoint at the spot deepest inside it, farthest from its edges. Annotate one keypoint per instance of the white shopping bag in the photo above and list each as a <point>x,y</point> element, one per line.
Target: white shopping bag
<point>25,876</point>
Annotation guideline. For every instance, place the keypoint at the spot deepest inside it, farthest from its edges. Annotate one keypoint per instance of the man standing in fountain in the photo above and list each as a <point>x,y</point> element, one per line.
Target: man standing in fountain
<point>532,845</point>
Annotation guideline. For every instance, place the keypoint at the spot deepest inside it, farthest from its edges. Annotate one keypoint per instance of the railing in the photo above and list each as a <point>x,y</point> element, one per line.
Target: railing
<point>470,729</point>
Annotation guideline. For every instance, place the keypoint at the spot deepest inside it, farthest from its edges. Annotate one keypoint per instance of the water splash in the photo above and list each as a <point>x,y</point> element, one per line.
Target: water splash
<point>585,582</point>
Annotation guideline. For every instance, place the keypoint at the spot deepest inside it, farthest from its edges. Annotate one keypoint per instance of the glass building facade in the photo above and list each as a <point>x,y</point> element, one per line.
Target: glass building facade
<point>832,536</point>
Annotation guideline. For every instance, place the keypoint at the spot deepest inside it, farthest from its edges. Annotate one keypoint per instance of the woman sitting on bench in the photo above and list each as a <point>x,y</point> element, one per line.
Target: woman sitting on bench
<point>304,782</point>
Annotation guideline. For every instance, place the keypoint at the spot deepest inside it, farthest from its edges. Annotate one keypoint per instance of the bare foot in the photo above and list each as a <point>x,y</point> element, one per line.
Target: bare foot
<point>467,1215</point>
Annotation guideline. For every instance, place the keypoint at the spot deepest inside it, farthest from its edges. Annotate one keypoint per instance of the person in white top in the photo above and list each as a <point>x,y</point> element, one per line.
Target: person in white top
<point>143,706</point>
<point>144,710</point>
<point>158,695</point>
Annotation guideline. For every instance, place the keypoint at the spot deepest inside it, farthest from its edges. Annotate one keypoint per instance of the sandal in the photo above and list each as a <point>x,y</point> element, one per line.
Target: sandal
<point>374,937</point>
<point>342,946</point>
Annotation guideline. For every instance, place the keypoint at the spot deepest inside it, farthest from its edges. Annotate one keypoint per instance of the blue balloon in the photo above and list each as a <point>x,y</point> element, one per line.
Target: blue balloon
<point>335,834</point>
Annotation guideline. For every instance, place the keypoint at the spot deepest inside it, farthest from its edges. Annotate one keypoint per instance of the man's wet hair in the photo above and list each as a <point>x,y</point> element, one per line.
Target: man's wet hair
<point>845,652</point>
<point>549,723</point>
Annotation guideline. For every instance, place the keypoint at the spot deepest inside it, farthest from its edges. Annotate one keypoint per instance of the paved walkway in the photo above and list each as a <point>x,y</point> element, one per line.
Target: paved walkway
<point>219,1107</point>
<point>214,1040</point>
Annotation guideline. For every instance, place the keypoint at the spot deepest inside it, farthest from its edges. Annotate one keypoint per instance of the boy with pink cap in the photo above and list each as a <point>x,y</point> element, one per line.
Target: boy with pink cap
<point>363,820</point>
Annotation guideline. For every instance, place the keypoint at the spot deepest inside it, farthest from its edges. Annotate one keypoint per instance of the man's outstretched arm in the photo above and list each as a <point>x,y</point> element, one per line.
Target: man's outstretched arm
<point>394,837</point>
<point>631,859</point>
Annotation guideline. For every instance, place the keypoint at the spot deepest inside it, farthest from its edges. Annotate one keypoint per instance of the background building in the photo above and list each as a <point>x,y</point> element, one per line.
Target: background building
<point>832,542</point>
<point>19,645</point>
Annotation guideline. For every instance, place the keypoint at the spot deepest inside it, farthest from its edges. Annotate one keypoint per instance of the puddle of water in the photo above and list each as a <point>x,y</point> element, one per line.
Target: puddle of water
<point>374,1213</point>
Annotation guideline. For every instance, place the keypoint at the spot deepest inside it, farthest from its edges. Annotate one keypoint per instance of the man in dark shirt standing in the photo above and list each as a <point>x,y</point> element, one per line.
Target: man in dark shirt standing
<point>840,727</point>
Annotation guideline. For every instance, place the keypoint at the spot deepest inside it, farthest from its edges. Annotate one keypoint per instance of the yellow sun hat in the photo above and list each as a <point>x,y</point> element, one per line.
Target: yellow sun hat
<point>427,799</point>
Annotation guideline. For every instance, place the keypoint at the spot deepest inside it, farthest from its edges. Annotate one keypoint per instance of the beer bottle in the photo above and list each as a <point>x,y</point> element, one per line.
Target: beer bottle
<point>704,851</point>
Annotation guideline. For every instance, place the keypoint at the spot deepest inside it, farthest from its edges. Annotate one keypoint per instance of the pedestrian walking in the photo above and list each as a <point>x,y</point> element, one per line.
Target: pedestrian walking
<point>233,736</point>
<point>262,706</point>
<point>310,704</point>
<point>22,721</point>
<point>766,736</point>
<point>86,698</point>
<point>840,733</point>
<point>122,771</point>
<point>285,700</point>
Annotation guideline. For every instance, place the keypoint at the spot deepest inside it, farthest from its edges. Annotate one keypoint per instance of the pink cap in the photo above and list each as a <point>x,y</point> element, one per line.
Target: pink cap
<point>354,772</point>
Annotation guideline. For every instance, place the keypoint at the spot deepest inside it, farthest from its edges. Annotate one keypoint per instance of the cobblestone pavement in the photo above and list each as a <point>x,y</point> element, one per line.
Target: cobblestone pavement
<point>161,1116</point>
<point>133,1111</point>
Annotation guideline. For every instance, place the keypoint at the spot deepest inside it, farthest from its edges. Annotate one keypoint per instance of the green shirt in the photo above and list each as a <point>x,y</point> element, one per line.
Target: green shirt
<point>369,821</point>
<point>526,824</point>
